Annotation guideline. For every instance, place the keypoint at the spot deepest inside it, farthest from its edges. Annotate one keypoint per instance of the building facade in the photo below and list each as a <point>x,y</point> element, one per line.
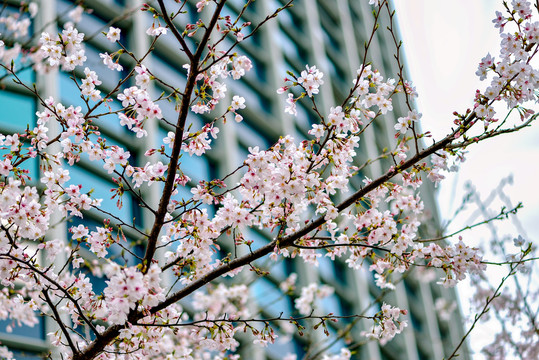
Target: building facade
<point>327,33</point>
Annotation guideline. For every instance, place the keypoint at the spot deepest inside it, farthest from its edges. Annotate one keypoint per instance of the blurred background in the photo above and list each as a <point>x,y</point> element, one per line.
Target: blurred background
<point>444,42</point>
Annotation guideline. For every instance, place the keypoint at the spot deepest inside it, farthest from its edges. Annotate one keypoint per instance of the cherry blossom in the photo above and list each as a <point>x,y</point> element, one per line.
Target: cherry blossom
<point>113,34</point>
<point>301,192</point>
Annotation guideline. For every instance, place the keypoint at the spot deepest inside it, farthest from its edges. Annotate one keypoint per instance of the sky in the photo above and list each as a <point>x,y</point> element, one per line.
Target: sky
<point>444,41</point>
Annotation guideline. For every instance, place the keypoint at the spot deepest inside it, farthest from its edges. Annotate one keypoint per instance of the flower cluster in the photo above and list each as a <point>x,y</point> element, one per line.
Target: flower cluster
<point>89,83</point>
<point>65,51</point>
<point>199,143</point>
<point>389,324</point>
<point>404,123</point>
<point>126,288</point>
<point>138,105</point>
<point>219,303</point>
<point>22,213</point>
<point>514,78</point>
<point>310,80</point>
<point>16,27</point>
<point>456,261</point>
<point>213,80</point>
<point>113,34</point>
<point>309,294</point>
<point>194,235</point>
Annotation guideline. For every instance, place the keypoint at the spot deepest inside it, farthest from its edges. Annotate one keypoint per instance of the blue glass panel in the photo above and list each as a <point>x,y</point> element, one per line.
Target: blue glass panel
<point>302,120</point>
<point>196,167</point>
<point>258,75</point>
<point>26,355</point>
<point>23,71</point>
<point>278,269</point>
<point>326,268</point>
<point>285,17</point>
<point>69,92</point>
<point>243,155</point>
<point>112,122</point>
<point>102,190</point>
<point>117,2</point>
<point>18,111</point>
<point>168,73</point>
<point>167,46</point>
<point>330,304</point>
<point>270,298</point>
<point>184,192</point>
<point>169,114</point>
<point>36,332</point>
<point>287,45</point>
<point>258,239</point>
<point>417,324</point>
<point>254,99</point>
<point>250,137</point>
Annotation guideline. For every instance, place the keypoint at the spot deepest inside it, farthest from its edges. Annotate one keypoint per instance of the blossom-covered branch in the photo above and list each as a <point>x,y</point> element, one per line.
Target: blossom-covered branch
<point>301,192</point>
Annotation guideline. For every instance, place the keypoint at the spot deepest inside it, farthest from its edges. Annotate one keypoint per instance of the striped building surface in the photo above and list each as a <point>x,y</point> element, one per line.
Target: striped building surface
<point>327,33</point>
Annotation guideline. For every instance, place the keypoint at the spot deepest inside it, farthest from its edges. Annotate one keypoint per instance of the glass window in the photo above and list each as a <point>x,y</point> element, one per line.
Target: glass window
<point>258,239</point>
<point>23,70</point>
<point>196,167</point>
<point>168,109</point>
<point>287,45</point>
<point>250,137</point>
<point>331,304</point>
<point>167,72</point>
<point>69,92</point>
<point>36,332</point>
<point>290,19</point>
<point>118,2</point>
<point>184,192</point>
<point>326,268</point>
<point>339,72</point>
<point>168,47</point>
<point>102,189</point>
<point>327,9</point>
<point>243,154</point>
<point>18,111</point>
<point>388,354</point>
<point>304,118</point>
<point>27,355</point>
<point>254,99</point>
<point>112,121</point>
<point>270,299</point>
